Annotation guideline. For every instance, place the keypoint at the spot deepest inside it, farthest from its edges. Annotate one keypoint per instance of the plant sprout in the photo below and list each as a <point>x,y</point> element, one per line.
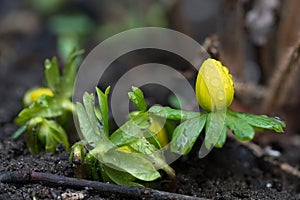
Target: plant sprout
<point>46,109</point>
<point>130,154</point>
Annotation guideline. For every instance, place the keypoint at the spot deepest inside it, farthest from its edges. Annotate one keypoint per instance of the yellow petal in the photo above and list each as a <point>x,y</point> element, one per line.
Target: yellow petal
<point>214,86</point>
<point>157,128</point>
<point>33,94</point>
<point>125,149</point>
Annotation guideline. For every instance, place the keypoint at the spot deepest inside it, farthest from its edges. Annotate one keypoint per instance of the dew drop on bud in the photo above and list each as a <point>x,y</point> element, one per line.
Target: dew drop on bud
<point>215,82</point>
<point>225,85</point>
<point>220,95</point>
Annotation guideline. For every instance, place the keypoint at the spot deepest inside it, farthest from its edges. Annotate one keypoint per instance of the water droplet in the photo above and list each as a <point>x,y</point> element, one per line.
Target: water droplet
<point>277,118</point>
<point>215,82</point>
<point>209,69</point>
<point>220,95</point>
<point>225,85</point>
<point>99,124</point>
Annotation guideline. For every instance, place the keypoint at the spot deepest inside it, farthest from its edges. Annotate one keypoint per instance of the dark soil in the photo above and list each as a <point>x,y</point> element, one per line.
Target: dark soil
<point>228,173</point>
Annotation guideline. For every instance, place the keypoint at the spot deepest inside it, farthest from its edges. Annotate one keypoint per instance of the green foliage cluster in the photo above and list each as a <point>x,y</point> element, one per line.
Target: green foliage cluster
<point>43,120</point>
<point>133,153</point>
<point>130,154</point>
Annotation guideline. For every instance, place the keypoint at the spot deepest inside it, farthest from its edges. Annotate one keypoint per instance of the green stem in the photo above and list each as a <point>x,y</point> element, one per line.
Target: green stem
<point>69,106</point>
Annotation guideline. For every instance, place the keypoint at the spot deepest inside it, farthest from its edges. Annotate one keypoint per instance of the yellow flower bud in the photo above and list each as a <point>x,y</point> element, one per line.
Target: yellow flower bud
<point>125,149</point>
<point>157,128</point>
<point>33,94</point>
<point>214,86</point>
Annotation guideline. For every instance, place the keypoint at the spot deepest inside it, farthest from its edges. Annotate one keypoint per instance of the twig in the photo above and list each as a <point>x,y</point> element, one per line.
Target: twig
<point>260,153</point>
<point>289,26</point>
<point>212,45</point>
<point>62,181</point>
<point>280,77</point>
<point>249,92</point>
<point>290,87</point>
<point>285,167</point>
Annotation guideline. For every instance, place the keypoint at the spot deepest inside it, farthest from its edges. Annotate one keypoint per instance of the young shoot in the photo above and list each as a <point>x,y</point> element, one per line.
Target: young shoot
<point>47,109</point>
<point>128,156</point>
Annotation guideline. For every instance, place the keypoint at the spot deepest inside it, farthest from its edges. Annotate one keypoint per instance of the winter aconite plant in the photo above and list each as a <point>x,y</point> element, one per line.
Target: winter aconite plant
<point>46,109</point>
<point>214,92</point>
<point>135,152</point>
<point>127,156</point>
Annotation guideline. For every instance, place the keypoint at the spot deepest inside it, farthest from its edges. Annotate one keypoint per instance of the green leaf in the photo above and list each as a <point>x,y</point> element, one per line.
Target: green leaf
<point>45,106</point>
<point>133,163</point>
<point>222,138</point>
<point>93,165</point>
<point>152,138</point>
<point>88,127</point>
<point>19,132</point>
<point>260,121</point>
<point>186,134</point>
<point>119,177</point>
<point>69,74</point>
<point>214,127</point>
<point>172,114</point>
<point>88,102</point>
<point>52,74</point>
<point>45,135</point>
<point>142,145</point>
<point>103,105</point>
<point>137,97</point>
<point>50,134</point>
<point>242,130</point>
<point>131,130</point>
<point>31,135</point>
<point>153,154</point>
<point>77,152</point>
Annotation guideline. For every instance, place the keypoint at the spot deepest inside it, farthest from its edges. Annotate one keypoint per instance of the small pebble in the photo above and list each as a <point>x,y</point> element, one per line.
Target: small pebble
<point>269,185</point>
<point>271,152</point>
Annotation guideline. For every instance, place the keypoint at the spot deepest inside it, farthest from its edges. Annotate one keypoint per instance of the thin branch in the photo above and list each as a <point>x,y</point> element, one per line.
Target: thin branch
<point>290,87</point>
<point>281,75</point>
<point>260,153</point>
<point>212,45</point>
<point>26,177</point>
<point>249,92</point>
<point>289,26</point>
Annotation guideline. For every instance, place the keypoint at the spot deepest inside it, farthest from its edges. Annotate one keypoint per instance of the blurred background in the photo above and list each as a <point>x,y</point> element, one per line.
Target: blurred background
<point>257,39</point>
